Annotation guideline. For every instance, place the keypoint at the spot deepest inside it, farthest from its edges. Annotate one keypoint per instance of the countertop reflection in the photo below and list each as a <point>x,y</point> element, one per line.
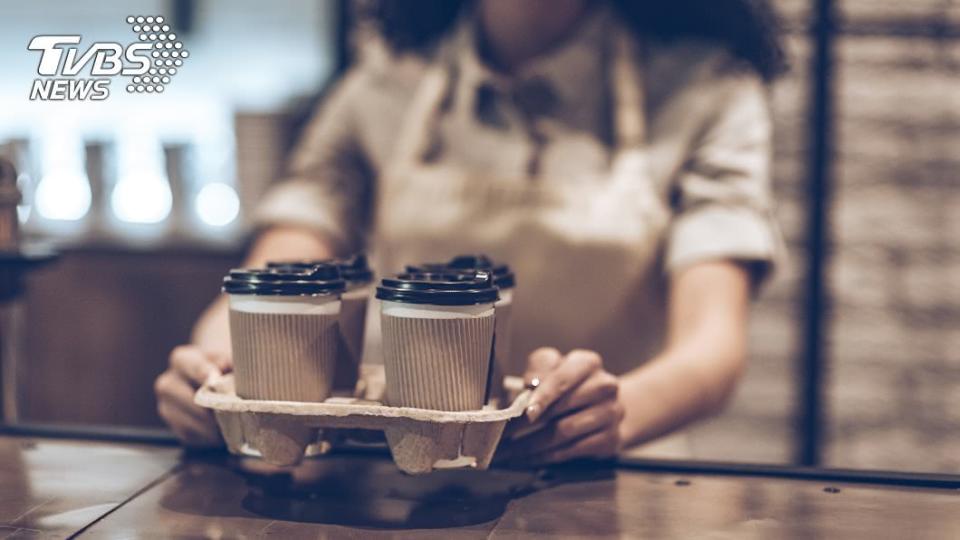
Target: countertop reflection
<point>54,488</point>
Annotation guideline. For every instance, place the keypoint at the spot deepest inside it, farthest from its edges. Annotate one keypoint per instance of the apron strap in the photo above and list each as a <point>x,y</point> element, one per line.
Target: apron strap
<point>418,124</point>
<point>629,167</point>
<point>628,94</point>
<point>422,116</point>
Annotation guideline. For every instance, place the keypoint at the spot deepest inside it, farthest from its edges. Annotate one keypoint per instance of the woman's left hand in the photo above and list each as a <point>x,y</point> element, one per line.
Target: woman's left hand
<point>573,412</point>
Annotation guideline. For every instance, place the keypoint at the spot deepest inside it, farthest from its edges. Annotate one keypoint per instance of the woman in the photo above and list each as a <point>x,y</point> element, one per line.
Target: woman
<point>615,153</point>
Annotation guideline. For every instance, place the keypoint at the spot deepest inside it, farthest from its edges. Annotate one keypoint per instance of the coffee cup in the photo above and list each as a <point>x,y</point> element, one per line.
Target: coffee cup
<point>284,331</point>
<point>505,280</point>
<point>356,272</point>
<point>437,339</point>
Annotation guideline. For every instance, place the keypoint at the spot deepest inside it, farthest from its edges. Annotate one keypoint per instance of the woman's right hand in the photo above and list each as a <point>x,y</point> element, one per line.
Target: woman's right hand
<point>189,368</point>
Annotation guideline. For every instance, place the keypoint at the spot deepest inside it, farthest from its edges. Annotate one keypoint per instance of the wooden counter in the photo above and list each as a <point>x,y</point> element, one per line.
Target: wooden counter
<point>52,488</point>
<point>103,490</point>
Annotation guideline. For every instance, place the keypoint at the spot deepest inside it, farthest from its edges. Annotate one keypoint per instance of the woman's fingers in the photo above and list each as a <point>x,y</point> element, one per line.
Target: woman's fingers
<point>600,444</point>
<point>193,364</point>
<point>189,368</point>
<point>187,428</point>
<point>222,360</point>
<point>172,390</point>
<point>598,387</point>
<point>541,362</point>
<point>572,370</point>
<point>193,425</point>
<point>564,431</point>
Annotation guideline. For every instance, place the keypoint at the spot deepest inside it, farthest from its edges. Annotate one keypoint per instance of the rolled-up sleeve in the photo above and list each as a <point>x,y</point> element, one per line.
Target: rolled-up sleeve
<point>328,182</point>
<point>724,208</point>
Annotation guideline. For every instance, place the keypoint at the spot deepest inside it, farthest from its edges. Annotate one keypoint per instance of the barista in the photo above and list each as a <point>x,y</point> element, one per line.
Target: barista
<point>615,153</point>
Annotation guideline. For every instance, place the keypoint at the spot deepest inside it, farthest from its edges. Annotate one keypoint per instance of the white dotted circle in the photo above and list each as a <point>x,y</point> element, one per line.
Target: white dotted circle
<point>184,54</point>
<point>140,88</point>
<point>130,88</point>
<point>149,19</point>
<point>159,19</point>
<point>131,19</point>
<point>139,19</point>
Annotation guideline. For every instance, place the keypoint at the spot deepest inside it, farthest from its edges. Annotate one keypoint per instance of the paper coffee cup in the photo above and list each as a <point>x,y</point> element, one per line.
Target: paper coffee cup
<point>356,272</point>
<point>503,337</point>
<point>505,281</point>
<point>437,340</point>
<point>284,332</point>
<point>353,317</point>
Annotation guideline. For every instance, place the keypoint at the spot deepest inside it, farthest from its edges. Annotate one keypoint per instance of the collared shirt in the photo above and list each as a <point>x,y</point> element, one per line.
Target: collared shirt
<point>708,142</point>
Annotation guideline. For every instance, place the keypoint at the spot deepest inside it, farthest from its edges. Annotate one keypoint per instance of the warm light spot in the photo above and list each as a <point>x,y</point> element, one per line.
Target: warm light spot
<point>63,194</point>
<point>217,204</point>
<point>143,198</point>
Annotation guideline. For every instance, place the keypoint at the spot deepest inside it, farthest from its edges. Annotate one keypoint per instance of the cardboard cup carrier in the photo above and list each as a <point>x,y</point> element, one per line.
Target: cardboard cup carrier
<point>438,340</point>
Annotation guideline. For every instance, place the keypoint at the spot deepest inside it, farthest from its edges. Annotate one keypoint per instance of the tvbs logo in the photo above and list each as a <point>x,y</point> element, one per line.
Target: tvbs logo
<point>148,63</point>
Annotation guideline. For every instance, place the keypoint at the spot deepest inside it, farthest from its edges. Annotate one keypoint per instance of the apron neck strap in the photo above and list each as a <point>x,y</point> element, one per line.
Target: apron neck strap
<point>629,99</point>
<point>421,121</point>
<point>421,118</point>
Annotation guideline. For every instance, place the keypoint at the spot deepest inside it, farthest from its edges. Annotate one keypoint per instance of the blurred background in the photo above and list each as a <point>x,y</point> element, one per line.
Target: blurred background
<point>855,349</point>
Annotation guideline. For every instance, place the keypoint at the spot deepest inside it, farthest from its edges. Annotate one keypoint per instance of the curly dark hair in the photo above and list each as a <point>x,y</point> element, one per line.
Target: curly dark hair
<point>748,28</point>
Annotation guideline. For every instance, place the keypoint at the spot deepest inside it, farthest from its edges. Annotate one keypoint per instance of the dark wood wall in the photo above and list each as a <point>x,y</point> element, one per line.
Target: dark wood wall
<point>99,325</point>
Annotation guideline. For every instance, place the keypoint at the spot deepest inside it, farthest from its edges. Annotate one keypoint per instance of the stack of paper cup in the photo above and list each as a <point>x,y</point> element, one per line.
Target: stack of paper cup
<point>505,281</point>
<point>437,339</point>
<point>353,316</point>
<point>283,329</point>
<point>353,313</point>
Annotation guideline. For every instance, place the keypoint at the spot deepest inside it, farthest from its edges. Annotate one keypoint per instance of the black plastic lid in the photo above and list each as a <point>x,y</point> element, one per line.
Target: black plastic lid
<point>439,288</point>
<point>282,281</point>
<point>503,277</point>
<point>354,268</point>
<point>426,268</point>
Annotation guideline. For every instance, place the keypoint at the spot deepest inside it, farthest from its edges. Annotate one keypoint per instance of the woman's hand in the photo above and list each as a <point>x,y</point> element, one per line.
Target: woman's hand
<point>190,365</point>
<point>189,368</point>
<point>573,413</point>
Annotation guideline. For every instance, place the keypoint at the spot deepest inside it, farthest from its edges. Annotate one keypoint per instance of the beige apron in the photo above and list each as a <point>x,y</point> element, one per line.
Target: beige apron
<point>583,250</point>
